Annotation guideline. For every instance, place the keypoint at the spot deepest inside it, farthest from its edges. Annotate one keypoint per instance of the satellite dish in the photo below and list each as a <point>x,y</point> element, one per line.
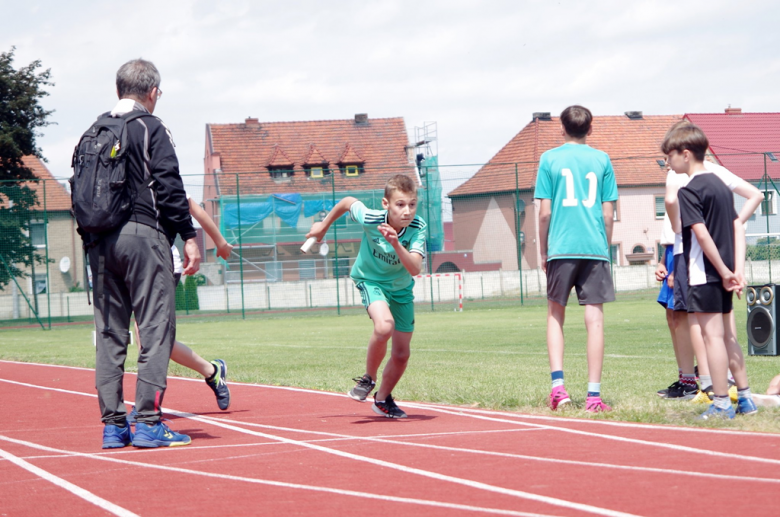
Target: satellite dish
<point>324,249</point>
<point>64,264</point>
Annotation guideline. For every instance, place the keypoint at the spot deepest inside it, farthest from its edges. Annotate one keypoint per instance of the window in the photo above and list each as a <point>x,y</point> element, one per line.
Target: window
<point>38,234</point>
<point>352,170</point>
<point>769,204</point>
<point>660,207</point>
<point>307,270</point>
<point>614,254</point>
<point>280,172</point>
<point>638,249</point>
<point>40,283</point>
<point>316,172</point>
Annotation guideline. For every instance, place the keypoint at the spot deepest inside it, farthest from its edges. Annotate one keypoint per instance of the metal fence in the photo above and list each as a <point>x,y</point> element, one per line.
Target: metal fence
<point>482,240</point>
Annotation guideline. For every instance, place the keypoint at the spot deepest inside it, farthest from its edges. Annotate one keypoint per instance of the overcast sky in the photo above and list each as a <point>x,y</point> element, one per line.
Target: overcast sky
<point>478,69</point>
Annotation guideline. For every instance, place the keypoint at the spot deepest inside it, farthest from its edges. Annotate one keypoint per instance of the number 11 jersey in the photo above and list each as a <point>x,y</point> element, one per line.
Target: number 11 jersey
<point>577,179</point>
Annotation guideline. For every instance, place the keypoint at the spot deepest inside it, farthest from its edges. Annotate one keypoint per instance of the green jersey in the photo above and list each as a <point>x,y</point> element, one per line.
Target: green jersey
<point>377,261</point>
<point>577,179</point>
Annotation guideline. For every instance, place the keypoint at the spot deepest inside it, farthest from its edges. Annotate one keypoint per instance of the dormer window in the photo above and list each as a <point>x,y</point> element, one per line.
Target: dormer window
<point>280,172</point>
<point>351,170</point>
<point>316,172</point>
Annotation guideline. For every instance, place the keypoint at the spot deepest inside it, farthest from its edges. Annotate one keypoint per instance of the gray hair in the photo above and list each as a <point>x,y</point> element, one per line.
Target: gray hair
<point>137,78</point>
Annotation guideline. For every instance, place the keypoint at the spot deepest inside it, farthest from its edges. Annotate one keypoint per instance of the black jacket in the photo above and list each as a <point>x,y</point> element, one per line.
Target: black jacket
<point>161,202</point>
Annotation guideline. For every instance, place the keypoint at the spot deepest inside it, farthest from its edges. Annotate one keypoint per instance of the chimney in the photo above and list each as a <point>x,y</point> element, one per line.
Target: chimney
<point>251,121</point>
<point>733,111</point>
<point>361,118</point>
<point>541,115</point>
<point>634,115</point>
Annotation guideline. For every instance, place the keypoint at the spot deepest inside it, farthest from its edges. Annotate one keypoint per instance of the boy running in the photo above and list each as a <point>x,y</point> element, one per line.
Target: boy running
<point>576,186</point>
<point>391,254</point>
<point>714,253</point>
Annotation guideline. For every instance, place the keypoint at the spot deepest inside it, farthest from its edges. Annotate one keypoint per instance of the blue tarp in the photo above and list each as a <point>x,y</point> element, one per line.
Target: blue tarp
<point>287,207</point>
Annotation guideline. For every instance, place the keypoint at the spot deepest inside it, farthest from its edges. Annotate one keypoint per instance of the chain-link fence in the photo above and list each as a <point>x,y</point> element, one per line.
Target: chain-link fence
<point>482,239</point>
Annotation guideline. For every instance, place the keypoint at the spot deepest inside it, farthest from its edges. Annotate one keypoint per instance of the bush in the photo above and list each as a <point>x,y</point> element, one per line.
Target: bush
<point>180,301</point>
<point>191,294</point>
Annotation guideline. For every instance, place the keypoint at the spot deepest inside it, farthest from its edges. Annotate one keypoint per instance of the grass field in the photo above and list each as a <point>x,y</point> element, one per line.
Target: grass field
<point>490,355</point>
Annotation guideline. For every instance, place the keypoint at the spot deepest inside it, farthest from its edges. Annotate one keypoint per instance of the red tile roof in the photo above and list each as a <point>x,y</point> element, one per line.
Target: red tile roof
<point>57,198</point>
<point>731,135</point>
<point>247,149</point>
<point>633,146</point>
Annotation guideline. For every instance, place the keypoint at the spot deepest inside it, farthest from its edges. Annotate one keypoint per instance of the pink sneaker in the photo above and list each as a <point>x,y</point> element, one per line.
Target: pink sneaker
<point>596,405</point>
<point>558,398</point>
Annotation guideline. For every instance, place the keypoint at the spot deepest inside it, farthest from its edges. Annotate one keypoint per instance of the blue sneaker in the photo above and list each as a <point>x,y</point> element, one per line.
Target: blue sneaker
<point>713,413</point>
<point>115,437</point>
<point>218,384</point>
<point>746,406</point>
<point>157,435</point>
<point>131,418</point>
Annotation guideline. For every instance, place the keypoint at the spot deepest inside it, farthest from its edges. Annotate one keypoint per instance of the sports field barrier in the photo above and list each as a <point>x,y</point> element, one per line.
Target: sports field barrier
<point>472,232</point>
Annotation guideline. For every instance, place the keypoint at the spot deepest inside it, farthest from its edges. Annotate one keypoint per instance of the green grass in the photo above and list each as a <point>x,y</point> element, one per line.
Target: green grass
<point>492,355</point>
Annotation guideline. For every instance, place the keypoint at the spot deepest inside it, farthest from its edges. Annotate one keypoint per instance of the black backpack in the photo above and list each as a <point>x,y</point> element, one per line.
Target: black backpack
<point>101,193</point>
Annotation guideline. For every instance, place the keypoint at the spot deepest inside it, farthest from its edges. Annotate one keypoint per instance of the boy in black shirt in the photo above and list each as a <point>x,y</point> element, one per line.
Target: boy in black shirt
<point>714,251</point>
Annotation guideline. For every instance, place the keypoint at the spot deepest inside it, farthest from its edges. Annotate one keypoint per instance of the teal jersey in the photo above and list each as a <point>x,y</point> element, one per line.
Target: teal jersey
<point>577,179</point>
<point>377,261</point>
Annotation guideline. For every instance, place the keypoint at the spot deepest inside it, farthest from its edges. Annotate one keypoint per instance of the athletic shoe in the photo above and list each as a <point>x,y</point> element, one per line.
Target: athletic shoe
<point>387,408</point>
<point>115,437</point>
<point>218,384</point>
<point>132,417</point>
<point>746,406</point>
<point>733,395</point>
<point>596,405</point>
<point>680,391</point>
<point>664,392</point>
<point>704,396</point>
<point>363,387</point>
<point>558,398</point>
<point>158,435</point>
<point>714,412</point>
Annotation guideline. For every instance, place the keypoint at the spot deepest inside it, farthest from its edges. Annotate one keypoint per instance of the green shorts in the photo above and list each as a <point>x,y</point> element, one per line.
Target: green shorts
<point>401,303</point>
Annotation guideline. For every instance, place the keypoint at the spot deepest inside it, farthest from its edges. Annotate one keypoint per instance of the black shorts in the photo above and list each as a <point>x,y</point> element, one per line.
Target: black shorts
<point>591,278</point>
<point>680,283</point>
<point>709,298</point>
<point>176,279</point>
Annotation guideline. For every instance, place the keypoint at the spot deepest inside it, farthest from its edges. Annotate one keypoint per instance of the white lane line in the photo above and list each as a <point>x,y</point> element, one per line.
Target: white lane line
<point>353,493</point>
<point>409,470</point>
<point>396,440</point>
<point>67,485</point>
<point>423,405</point>
<point>682,448</point>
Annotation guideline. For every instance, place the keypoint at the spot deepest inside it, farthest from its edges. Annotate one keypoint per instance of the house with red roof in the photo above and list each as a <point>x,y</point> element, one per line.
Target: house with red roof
<point>488,209</point>
<point>267,182</point>
<point>748,144</point>
<point>52,230</point>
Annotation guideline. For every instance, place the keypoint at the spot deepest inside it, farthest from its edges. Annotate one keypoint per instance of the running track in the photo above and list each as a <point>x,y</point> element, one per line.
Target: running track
<point>289,451</point>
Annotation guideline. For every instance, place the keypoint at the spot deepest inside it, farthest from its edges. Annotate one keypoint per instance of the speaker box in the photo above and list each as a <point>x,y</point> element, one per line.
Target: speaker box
<point>762,320</point>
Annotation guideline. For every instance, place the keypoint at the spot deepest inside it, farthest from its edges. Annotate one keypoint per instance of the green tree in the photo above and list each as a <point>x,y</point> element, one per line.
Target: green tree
<point>191,293</point>
<point>20,116</point>
<point>181,303</point>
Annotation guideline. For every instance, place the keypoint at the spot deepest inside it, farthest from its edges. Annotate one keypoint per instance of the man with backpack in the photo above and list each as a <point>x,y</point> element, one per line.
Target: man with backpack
<point>129,203</point>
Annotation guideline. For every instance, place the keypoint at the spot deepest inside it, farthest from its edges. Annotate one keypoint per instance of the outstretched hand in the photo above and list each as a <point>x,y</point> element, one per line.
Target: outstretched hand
<point>317,230</point>
<point>389,233</point>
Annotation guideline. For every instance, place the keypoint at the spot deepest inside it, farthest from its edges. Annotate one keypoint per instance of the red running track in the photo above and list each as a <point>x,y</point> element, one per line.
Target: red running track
<point>289,451</point>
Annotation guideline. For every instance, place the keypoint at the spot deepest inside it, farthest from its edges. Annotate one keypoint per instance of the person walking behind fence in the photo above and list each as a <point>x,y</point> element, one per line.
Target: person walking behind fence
<point>714,253</point>
<point>131,263</point>
<point>577,188</point>
<point>391,254</point>
<point>214,372</point>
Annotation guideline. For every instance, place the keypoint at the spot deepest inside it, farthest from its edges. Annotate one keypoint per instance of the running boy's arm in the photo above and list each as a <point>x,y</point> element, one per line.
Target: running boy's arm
<point>200,215</point>
<point>412,261</point>
<point>739,254</point>
<point>319,229</point>
<point>754,198</point>
<point>545,211</point>
<point>730,280</point>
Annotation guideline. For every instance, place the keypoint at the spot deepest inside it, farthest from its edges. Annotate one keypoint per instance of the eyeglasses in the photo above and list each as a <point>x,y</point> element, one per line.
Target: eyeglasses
<point>159,92</point>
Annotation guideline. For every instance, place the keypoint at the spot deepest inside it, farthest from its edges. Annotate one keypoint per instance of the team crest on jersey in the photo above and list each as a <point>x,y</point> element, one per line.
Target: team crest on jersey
<point>376,240</point>
<point>405,244</point>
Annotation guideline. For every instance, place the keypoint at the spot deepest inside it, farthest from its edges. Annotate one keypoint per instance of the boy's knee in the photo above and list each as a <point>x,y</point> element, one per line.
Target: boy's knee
<point>401,356</point>
<point>384,328</point>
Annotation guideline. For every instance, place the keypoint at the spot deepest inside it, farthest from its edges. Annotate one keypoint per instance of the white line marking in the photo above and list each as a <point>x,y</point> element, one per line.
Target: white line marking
<point>353,493</point>
<point>424,405</point>
<point>410,470</point>
<point>67,485</point>
<point>622,439</point>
